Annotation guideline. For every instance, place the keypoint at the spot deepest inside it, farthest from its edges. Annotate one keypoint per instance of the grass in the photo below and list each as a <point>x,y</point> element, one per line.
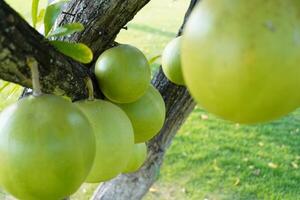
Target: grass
<point>210,158</point>
<point>214,159</point>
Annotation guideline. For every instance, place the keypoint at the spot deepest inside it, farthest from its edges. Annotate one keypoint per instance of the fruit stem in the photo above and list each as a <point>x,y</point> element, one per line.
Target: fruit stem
<point>90,87</point>
<point>33,65</point>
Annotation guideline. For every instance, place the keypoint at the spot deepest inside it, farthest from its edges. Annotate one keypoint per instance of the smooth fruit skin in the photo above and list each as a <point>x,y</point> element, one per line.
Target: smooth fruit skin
<point>123,74</point>
<point>114,139</point>
<point>241,58</point>
<point>137,158</point>
<point>147,115</point>
<point>171,61</point>
<point>47,148</point>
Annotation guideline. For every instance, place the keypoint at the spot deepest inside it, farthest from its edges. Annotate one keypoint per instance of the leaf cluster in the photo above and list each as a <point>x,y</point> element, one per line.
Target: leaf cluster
<point>47,17</point>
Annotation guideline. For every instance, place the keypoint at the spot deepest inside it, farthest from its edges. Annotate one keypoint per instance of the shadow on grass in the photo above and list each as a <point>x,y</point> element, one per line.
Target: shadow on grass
<point>149,29</point>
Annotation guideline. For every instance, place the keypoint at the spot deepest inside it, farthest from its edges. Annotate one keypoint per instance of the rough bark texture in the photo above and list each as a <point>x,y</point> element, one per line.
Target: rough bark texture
<point>18,42</point>
<point>179,105</point>
<point>102,19</point>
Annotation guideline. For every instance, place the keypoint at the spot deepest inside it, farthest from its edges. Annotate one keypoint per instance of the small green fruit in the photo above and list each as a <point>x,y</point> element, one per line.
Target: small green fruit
<point>171,62</point>
<point>47,148</point>
<point>114,139</point>
<point>137,158</point>
<point>147,115</point>
<point>123,74</point>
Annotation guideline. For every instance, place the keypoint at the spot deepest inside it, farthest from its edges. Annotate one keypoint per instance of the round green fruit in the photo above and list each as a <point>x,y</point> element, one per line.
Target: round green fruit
<point>137,158</point>
<point>171,62</point>
<point>47,148</point>
<point>114,139</point>
<point>123,74</point>
<point>244,67</point>
<point>147,115</point>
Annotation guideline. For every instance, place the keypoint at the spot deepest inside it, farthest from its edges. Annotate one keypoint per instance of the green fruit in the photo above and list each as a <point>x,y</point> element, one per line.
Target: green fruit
<point>137,158</point>
<point>47,148</point>
<point>147,115</point>
<point>114,139</point>
<point>171,62</point>
<point>240,65</point>
<point>123,74</point>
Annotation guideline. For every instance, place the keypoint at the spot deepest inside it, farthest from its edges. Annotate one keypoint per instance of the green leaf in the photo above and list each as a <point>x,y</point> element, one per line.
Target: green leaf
<point>41,16</point>
<point>51,14</point>
<point>67,29</point>
<point>153,59</point>
<point>13,90</point>
<point>5,85</point>
<point>34,11</point>
<point>78,51</point>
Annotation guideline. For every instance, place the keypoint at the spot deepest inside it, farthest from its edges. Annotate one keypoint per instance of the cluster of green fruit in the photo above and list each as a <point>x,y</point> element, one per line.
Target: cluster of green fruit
<point>240,59</point>
<point>241,66</point>
<point>49,146</point>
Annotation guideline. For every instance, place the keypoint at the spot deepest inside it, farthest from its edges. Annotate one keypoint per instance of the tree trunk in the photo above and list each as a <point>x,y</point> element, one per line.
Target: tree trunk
<point>179,105</point>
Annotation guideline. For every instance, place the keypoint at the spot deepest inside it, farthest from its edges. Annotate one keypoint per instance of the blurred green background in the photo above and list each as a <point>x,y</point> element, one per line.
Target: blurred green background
<point>210,158</point>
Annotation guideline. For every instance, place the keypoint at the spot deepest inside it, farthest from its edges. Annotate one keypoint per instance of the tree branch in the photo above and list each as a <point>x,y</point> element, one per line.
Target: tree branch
<point>18,41</point>
<point>102,19</point>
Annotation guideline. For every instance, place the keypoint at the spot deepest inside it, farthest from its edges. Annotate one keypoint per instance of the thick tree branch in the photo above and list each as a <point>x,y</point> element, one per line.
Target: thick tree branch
<point>18,41</point>
<point>103,20</point>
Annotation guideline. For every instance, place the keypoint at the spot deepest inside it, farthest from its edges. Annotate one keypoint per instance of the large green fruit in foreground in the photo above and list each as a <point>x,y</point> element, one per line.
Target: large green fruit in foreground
<point>171,62</point>
<point>241,58</point>
<point>114,139</point>
<point>137,158</point>
<point>147,115</point>
<point>123,73</point>
<point>47,148</point>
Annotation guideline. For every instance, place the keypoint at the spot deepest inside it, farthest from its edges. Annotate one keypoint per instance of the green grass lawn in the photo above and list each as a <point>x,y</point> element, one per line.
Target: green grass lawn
<point>210,158</point>
<point>214,159</point>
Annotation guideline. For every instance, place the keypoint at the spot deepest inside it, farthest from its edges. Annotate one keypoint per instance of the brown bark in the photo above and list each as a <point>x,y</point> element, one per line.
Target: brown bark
<point>18,42</point>
<point>179,105</point>
<point>59,74</point>
<point>102,19</point>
